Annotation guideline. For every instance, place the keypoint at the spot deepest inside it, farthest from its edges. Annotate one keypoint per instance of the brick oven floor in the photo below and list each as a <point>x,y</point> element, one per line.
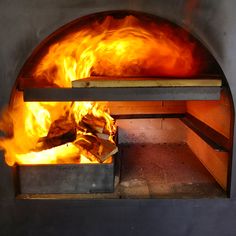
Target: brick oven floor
<point>164,170</point>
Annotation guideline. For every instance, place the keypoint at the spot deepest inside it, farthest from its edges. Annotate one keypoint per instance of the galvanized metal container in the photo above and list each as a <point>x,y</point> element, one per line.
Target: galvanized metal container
<point>66,178</point>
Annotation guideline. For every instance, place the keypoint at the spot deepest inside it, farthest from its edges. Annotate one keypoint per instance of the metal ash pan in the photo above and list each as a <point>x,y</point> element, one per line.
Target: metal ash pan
<point>66,178</point>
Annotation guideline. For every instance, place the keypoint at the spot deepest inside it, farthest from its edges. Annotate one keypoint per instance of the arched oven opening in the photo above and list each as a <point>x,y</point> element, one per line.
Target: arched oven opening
<point>121,105</point>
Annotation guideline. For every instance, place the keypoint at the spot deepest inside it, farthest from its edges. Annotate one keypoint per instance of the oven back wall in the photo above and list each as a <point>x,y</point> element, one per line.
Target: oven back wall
<point>23,25</point>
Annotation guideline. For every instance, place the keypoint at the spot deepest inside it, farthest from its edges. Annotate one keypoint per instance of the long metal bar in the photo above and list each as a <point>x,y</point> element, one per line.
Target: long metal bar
<point>122,94</point>
<point>146,116</point>
<point>216,140</point>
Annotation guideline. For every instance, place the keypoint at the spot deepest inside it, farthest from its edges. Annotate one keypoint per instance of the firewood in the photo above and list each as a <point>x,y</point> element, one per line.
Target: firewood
<point>141,82</point>
<point>99,148</point>
<point>84,128</point>
<point>105,150</point>
<point>103,136</point>
<point>95,123</point>
<point>60,132</point>
<point>86,141</point>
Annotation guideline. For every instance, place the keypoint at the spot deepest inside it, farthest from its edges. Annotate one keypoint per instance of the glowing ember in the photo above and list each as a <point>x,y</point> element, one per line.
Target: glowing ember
<point>126,47</point>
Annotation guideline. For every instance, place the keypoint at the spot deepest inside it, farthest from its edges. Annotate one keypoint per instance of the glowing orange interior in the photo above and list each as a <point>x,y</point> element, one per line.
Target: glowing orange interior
<point>112,47</point>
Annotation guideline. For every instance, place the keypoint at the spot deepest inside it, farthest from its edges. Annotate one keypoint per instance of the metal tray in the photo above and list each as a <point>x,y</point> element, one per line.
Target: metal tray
<point>66,178</point>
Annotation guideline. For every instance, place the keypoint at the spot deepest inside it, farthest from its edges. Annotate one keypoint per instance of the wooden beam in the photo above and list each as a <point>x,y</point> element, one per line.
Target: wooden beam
<point>140,82</point>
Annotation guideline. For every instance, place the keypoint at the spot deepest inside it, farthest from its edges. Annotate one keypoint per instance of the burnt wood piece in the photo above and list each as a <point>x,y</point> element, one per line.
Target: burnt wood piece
<point>103,136</point>
<point>95,123</point>
<point>101,149</point>
<point>107,150</point>
<point>213,138</point>
<point>60,132</point>
<point>122,94</point>
<point>83,128</point>
<point>124,82</point>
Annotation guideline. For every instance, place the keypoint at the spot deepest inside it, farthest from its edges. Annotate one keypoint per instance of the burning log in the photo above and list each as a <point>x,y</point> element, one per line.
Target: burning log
<point>83,128</point>
<point>103,136</point>
<point>90,136</point>
<point>106,149</point>
<point>95,123</point>
<point>101,149</point>
<point>60,132</point>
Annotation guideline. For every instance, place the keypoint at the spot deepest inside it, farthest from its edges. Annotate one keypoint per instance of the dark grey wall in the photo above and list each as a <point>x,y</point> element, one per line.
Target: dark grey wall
<point>23,24</point>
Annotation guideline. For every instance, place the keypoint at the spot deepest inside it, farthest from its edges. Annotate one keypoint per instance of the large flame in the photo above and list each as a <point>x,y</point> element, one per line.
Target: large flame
<point>113,47</point>
<point>126,47</point>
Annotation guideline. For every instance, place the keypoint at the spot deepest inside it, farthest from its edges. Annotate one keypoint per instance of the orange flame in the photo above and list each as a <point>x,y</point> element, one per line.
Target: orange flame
<point>114,47</point>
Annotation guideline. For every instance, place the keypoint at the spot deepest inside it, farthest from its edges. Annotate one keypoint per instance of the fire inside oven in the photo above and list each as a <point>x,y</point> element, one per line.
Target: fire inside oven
<point>144,75</point>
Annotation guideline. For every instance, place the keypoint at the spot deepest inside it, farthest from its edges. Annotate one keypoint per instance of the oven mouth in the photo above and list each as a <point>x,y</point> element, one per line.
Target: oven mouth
<point>187,101</point>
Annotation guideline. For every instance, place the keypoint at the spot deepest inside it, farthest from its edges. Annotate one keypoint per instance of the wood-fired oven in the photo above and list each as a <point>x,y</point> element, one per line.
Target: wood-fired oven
<point>120,120</point>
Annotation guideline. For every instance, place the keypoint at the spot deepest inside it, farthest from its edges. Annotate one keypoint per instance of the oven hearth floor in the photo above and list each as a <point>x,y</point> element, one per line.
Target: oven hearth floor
<point>154,171</point>
<point>164,170</point>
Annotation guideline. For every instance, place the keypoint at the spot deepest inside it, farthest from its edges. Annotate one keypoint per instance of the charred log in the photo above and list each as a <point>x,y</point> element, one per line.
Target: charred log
<point>95,123</point>
<point>101,149</point>
<point>60,132</point>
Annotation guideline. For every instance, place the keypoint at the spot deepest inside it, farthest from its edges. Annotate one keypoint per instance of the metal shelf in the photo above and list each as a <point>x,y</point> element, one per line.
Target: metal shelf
<point>126,89</point>
<point>122,94</point>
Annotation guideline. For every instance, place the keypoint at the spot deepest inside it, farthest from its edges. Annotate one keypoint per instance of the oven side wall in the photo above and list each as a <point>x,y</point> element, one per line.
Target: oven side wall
<point>218,116</point>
